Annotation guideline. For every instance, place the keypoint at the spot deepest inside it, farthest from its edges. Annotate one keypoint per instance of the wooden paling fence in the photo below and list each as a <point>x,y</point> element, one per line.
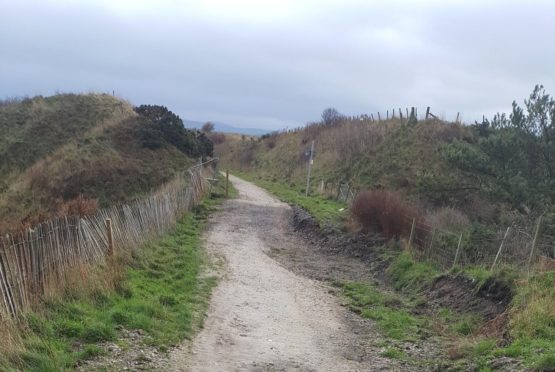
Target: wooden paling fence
<point>35,263</point>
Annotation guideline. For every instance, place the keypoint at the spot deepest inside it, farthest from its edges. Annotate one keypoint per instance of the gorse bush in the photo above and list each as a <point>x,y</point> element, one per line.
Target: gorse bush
<point>384,212</point>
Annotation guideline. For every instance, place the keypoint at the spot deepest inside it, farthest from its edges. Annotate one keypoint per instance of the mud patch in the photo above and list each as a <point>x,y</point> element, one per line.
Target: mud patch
<point>461,294</point>
<point>331,240</point>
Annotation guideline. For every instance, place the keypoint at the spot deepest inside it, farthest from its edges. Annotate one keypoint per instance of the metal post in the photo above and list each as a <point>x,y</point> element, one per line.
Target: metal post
<point>310,160</point>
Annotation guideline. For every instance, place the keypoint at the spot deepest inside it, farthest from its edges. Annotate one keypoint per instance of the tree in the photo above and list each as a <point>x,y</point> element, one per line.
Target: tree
<point>513,157</point>
<point>331,116</point>
<point>162,127</point>
<point>208,127</point>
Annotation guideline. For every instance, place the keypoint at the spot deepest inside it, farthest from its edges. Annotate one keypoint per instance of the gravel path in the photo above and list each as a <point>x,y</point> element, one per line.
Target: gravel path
<point>263,317</point>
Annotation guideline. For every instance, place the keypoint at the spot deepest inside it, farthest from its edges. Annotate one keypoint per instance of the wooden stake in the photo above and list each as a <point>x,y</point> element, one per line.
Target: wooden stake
<point>457,120</point>
<point>227,184</point>
<point>427,112</point>
<point>500,248</point>
<point>534,242</point>
<point>109,233</point>
<point>413,227</point>
<point>458,251</point>
<point>431,243</point>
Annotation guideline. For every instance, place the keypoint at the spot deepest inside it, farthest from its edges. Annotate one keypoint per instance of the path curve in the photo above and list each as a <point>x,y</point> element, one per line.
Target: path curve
<point>263,317</point>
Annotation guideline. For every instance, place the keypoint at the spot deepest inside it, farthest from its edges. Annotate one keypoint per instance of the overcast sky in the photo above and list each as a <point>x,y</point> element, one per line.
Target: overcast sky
<point>279,63</point>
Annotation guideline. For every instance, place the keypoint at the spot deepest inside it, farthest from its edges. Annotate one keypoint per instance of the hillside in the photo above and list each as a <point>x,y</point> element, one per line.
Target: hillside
<point>69,154</point>
<point>486,170</point>
<point>456,213</point>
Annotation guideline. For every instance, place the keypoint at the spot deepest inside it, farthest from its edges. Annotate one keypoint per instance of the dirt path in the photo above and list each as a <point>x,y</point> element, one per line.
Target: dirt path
<point>262,316</point>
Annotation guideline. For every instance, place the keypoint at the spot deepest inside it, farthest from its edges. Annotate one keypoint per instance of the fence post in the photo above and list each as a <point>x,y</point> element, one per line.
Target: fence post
<point>226,183</point>
<point>427,112</point>
<point>412,228</point>
<point>400,114</point>
<point>431,243</point>
<point>500,248</point>
<point>457,120</point>
<point>379,117</point>
<point>458,251</point>
<point>109,233</point>
<point>534,242</point>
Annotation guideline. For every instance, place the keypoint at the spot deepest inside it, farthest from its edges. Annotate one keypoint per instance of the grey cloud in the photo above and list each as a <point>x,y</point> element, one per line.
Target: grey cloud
<point>469,57</point>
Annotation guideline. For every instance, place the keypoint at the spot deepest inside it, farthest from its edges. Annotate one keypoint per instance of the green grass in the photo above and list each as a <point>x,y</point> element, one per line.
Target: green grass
<point>324,210</point>
<point>408,274</point>
<point>460,324</point>
<point>393,353</point>
<point>162,294</point>
<point>505,275</point>
<point>389,311</point>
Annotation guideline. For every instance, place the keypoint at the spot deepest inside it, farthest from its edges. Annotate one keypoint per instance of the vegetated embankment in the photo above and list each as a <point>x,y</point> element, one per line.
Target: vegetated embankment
<point>447,213</point>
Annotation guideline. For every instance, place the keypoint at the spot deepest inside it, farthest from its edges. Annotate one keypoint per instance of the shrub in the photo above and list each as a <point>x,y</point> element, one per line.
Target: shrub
<point>448,219</point>
<point>217,138</point>
<point>384,212</point>
<point>79,206</point>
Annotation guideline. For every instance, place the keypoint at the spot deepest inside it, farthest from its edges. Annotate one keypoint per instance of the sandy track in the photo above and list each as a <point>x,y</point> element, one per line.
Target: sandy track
<point>263,317</point>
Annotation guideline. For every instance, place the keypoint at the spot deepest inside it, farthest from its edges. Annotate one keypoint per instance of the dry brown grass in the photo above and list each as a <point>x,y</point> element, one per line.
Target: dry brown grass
<point>448,219</point>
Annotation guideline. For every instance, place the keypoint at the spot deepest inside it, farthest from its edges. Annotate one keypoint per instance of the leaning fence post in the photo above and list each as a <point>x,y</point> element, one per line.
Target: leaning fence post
<point>458,251</point>
<point>411,238</point>
<point>226,183</point>
<point>109,233</point>
<point>500,248</point>
<point>431,243</point>
<point>534,242</point>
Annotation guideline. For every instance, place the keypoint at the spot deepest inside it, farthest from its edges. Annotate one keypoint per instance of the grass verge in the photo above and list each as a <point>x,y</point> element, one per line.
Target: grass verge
<point>162,293</point>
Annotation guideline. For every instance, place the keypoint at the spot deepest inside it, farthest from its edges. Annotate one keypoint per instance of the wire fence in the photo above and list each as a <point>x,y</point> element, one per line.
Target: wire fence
<point>41,261</point>
<point>528,249</point>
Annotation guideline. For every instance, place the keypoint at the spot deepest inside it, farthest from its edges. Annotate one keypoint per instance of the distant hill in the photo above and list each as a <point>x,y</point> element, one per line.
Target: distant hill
<point>70,150</point>
<point>226,128</point>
